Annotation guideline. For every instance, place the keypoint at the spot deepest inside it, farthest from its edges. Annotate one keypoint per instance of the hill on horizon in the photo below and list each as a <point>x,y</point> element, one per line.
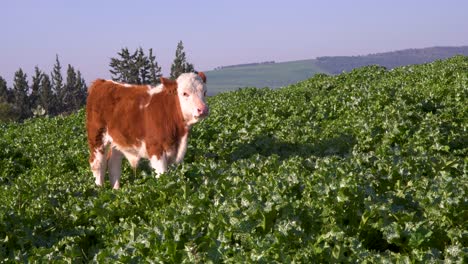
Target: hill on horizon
<point>280,74</point>
<point>389,60</point>
<point>272,75</point>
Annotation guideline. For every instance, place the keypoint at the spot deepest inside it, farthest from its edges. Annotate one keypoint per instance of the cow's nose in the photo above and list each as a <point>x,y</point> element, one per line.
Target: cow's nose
<point>202,111</point>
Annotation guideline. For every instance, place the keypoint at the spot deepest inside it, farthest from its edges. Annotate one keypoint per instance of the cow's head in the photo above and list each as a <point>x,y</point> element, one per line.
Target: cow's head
<point>191,89</point>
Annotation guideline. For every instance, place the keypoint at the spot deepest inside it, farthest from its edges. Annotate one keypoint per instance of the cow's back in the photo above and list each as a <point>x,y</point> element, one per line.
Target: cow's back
<point>108,100</point>
<point>114,108</point>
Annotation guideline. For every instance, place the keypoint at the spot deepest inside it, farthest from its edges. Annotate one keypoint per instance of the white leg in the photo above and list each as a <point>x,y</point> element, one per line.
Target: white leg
<point>98,167</point>
<point>182,149</point>
<point>115,168</point>
<point>159,165</point>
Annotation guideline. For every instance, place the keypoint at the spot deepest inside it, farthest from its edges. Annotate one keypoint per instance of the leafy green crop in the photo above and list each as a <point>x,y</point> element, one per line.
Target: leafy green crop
<point>368,166</point>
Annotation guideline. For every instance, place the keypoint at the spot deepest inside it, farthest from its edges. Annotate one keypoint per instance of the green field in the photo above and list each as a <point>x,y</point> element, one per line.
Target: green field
<point>364,167</point>
<point>265,75</point>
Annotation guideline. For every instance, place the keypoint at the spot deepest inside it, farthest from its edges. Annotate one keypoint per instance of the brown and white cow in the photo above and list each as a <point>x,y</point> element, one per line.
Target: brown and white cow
<point>140,121</point>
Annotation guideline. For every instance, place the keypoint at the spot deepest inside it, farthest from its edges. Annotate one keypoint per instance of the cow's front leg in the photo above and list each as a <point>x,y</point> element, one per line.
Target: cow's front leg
<point>159,164</point>
<point>182,149</point>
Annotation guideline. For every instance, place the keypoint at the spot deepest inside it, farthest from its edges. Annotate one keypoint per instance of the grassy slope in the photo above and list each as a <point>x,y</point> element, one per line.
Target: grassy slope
<point>369,165</point>
<point>267,75</point>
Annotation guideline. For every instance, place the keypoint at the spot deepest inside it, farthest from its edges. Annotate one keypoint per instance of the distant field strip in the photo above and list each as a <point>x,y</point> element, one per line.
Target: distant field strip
<point>265,75</point>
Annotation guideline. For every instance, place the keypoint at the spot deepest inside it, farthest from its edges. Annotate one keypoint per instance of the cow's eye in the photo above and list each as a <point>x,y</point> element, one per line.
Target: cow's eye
<point>186,94</point>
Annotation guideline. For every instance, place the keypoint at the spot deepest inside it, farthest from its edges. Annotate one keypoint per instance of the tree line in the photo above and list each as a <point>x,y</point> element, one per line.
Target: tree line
<point>47,94</point>
<point>138,68</point>
<point>50,94</point>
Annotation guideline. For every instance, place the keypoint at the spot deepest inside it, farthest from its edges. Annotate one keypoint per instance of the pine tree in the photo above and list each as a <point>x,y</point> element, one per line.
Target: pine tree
<point>20,93</point>
<point>6,108</point>
<point>180,64</point>
<point>35,87</point>
<point>143,65</point>
<point>70,94</point>
<point>121,67</point>
<point>135,68</point>
<point>75,90</point>
<point>47,98</point>
<point>154,70</point>
<point>57,86</point>
<point>4,93</point>
<point>82,89</point>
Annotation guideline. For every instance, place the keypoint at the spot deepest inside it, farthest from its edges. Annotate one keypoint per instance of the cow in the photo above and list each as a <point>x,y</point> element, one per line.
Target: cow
<point>141,121</point>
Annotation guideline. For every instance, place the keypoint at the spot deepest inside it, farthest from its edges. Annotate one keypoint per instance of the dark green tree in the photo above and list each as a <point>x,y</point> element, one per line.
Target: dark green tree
<point>47,98</point>
<point>6,108</point>
<point>57,86</point>
<point>155,69</point>
<point>135,67</point>
<point>4,92</point>
<point>75,90</point>
<point>35,87</point>
<point>121,69</point>
<point>82,89</point>
<point>180,64</point>
<point>143,66</point>
<point>70,98</point>
<point>20,95</point>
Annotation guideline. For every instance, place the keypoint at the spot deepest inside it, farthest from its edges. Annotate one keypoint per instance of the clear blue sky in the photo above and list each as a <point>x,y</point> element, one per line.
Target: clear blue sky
<point>86,34</point>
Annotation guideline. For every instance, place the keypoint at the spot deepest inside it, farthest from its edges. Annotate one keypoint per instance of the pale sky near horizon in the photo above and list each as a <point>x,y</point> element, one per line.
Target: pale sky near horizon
<point>86,34</point>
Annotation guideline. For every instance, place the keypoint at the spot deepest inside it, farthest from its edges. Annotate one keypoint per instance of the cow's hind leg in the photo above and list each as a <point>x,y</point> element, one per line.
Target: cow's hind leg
<point>98,164</point>
<point>115,168</point>
<point>98,151</point>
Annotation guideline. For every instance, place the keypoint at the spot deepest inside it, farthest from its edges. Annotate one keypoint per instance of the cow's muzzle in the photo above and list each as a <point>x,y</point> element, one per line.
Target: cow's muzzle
<point>203,111</point>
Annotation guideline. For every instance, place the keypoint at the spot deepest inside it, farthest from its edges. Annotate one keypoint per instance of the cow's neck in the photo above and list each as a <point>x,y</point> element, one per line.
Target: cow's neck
<point>189,123</point>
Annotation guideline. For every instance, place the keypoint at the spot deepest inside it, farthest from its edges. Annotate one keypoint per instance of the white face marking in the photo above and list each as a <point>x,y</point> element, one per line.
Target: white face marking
<point>192,92</point>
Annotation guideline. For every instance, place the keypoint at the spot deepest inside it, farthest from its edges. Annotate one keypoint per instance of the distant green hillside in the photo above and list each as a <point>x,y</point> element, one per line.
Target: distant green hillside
<point>275,75</point>
<point>390,60</point>
<point>263,75</point>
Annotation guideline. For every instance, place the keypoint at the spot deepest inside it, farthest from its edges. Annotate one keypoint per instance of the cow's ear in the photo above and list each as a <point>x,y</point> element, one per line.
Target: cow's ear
<point>164,80</point>
<point>169,85</point>
<point>202,76</point>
